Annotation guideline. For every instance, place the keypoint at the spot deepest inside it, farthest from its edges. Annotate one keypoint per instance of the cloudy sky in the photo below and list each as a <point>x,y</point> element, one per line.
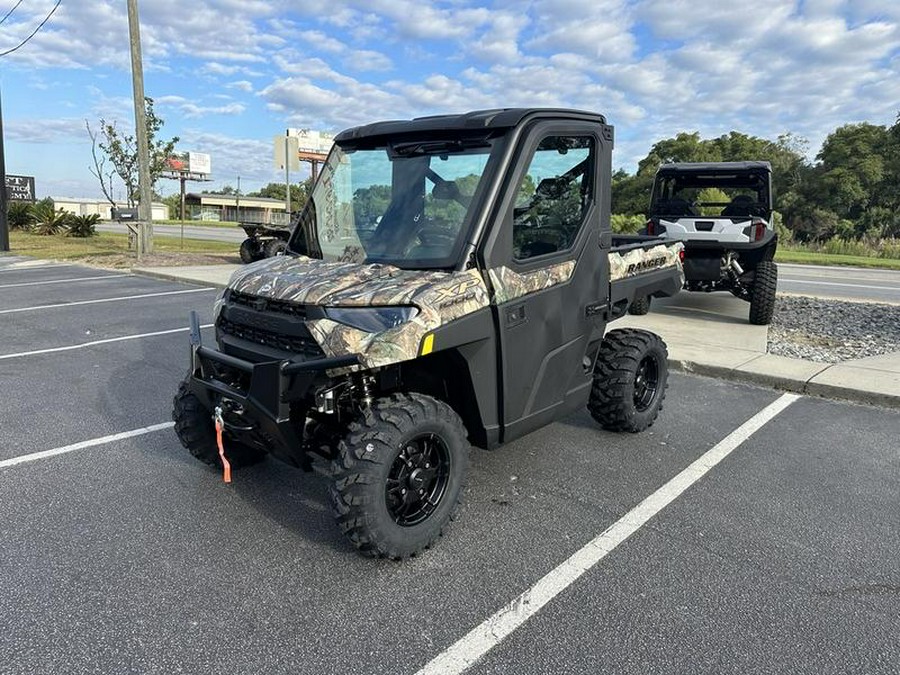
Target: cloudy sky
<point>229,74</point>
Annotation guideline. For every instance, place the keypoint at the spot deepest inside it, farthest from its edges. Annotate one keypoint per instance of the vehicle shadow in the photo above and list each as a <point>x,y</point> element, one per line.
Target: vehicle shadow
<point>295,500</point>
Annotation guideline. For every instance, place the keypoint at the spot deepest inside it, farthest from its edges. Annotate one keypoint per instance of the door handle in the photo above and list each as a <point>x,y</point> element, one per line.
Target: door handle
<point>515,316</point>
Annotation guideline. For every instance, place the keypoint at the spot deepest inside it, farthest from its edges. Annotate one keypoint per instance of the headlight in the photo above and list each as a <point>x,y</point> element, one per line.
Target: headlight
<point>371,319</point>
<point>218,304</point>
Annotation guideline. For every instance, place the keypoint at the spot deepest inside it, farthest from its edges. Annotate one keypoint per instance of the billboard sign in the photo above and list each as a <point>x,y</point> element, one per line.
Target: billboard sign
<point>190,162</point>
<point>199,162</point>
<point>317,142</point>
<point>20,188</point>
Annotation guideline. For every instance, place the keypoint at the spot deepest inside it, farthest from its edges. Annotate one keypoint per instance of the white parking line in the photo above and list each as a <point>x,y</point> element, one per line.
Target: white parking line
<point>64,281</point>
<point>94,302</point>
<point>84,444</point>
<point>93,343</point>
<point>834,283</point>
<point>479,641</point>
<point>24,266</point>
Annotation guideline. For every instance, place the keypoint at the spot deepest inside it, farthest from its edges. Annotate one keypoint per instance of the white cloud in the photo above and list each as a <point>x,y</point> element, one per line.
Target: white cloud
<point>368,60</point>
<point>44,130</point>
<point>241,85</point>
<point>191,110</point>
<point>598,29</point>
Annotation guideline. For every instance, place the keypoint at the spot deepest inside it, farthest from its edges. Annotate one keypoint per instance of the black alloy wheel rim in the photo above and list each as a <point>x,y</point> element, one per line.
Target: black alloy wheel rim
<point>417,480</point>
<point>646,383</point>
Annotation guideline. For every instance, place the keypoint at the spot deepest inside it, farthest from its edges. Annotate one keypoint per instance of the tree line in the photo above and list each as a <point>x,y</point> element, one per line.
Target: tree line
<point>850,191</point>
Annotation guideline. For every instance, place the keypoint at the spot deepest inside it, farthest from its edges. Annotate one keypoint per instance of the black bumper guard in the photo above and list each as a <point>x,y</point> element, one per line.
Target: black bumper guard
<point>266,402</point>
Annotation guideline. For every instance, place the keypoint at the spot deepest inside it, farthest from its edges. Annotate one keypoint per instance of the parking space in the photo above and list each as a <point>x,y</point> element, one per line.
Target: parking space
<point>130,556</point>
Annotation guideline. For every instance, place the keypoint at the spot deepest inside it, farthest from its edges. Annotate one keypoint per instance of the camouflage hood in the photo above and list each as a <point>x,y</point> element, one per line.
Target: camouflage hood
<point>316,282</point>
<point>440,296</point>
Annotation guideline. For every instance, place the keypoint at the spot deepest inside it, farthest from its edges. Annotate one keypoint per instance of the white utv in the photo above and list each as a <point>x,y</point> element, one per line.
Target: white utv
<point>722,211</point>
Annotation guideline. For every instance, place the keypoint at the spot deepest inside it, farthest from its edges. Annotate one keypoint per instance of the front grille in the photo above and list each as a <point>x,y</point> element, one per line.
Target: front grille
<point>267,304</point>
<point>290,343</point>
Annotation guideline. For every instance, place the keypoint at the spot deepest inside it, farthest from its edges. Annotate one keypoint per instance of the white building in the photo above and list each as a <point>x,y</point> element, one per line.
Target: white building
<point>86,207</point>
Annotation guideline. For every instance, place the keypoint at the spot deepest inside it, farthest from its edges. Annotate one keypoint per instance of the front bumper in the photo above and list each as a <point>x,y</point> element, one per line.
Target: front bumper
<point>258,397</point>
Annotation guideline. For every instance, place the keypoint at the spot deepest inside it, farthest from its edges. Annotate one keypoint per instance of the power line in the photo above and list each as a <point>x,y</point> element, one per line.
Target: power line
<point>11,11</point>
<point>40,25</point>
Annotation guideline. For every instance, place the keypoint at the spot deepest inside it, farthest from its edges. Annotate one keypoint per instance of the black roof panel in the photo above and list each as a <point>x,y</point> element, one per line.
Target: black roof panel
<point>498,118</point>
<point>706,167</point>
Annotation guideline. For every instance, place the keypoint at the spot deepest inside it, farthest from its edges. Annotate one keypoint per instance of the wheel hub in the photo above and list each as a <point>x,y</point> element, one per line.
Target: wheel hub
<point>646,383</point>
<point>417,480</point>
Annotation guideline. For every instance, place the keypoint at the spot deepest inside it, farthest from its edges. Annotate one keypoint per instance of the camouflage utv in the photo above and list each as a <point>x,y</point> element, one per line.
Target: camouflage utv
<point>449,282</point>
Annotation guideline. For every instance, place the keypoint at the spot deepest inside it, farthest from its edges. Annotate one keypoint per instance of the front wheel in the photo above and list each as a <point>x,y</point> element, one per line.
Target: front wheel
<point>399,474</point>
<point>762,294</point>
<point>630,380</point>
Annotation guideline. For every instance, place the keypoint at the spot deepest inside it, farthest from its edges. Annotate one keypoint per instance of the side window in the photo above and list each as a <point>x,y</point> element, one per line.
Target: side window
<point>554,196</point>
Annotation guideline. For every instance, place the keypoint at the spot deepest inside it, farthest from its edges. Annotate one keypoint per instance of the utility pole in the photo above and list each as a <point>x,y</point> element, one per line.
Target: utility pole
<point>287,173</point>
<point>4,221</point>
<point>145,210</point>
<point>237,200</point>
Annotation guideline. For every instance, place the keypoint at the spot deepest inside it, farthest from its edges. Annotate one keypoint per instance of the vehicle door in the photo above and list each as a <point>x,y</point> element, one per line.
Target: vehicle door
<point>547,272</point>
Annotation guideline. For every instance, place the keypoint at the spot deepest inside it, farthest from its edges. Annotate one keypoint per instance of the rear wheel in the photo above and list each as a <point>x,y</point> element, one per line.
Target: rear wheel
<point>630,380</point>
<point>195,429</point>
<point>399,475</point>
<point>250,251</point>
<point>639,306</point>
<point>274,246</point>
<point>762,294</point>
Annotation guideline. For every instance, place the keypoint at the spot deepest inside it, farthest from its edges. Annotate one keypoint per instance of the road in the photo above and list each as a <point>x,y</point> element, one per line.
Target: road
<point>122,554</point>
<point>852,283</point>
<point>836,282</point>
<point>213,233</point>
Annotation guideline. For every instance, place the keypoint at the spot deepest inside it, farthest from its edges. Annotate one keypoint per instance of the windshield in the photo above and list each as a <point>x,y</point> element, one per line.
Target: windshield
<point>405,204</point>
<point>710,195</point>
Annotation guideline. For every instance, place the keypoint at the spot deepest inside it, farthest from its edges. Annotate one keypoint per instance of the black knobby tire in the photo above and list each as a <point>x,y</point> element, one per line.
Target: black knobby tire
<point>762,294</point>
<point>197,432</point>
<point>639,306</point>
<point>274,246</point>
<point>388,499</point>
<point>249,251</point>
<point>630,380</point>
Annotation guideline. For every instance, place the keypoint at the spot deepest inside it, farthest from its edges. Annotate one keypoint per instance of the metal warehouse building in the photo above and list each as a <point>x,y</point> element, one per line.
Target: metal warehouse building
<point>235,208</point>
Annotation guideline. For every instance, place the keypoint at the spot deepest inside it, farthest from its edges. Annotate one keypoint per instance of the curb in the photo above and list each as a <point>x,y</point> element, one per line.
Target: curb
<point>150,273</point>
<point>797,386</point>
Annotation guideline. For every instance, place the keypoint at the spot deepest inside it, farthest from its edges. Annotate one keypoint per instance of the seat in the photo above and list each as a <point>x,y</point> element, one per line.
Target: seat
<point>741,205</point>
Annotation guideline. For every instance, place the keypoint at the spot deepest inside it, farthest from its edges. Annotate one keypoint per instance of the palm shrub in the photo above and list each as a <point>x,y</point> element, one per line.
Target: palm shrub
<point>83,226</point>
<point>19,216</point>
<point>49,220</point>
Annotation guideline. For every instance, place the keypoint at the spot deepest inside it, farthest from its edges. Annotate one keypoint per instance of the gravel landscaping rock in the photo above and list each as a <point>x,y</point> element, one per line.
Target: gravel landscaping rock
<point>831,331</point>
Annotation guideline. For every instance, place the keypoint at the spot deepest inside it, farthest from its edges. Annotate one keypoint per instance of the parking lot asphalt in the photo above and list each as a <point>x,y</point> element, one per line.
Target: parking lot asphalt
<point>131,557</point>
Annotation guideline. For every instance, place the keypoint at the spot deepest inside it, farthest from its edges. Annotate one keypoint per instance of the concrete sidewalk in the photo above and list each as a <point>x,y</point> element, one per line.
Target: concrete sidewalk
<point>707,334</point>
<point>710,335</point>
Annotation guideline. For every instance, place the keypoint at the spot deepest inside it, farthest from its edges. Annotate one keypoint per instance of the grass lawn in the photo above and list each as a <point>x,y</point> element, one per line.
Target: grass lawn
<point>812,258</point>
<point>111,249</point>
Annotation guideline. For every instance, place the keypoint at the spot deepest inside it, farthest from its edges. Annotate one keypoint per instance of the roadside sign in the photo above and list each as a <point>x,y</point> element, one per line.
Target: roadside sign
<point>20,188</point>
<point>292,145</point>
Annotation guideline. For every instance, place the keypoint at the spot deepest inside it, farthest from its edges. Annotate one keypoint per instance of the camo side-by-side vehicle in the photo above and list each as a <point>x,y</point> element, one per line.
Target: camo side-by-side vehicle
<point>449,282</point>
